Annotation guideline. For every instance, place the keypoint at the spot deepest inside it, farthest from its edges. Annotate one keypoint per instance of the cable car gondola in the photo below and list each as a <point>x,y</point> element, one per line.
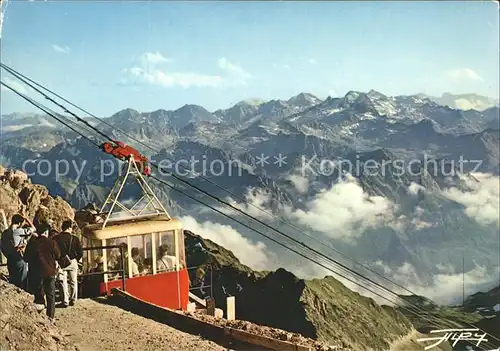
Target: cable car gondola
<point>147,250</point>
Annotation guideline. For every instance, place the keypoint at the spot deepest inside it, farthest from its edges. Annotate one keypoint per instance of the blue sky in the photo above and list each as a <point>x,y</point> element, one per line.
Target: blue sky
<point>107,56</point>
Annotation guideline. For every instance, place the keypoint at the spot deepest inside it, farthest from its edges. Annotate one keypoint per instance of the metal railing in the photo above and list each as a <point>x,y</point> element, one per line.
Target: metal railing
<point>122,271</point>
<point>202,284</point>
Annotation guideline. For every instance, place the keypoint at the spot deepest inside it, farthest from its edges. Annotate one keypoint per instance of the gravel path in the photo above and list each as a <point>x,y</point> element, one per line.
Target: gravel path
<point>92,325</point>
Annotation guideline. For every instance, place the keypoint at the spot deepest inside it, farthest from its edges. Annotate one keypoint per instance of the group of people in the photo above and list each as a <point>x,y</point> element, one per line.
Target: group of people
<point>140,266</point>
<point>39,256</point>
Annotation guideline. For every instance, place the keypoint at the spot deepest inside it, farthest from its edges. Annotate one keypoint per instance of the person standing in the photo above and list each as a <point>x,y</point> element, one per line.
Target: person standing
<point>53,233</point>
<point>42,254</point>
<point>13,242</point>
<point>71,247</point>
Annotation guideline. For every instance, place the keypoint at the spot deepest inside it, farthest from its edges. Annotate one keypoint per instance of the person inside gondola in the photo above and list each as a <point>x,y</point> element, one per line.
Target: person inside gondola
<point>166,262</point>
<point>92,282</point>
<point>115,261</point>
<point>137,259</point>
<point>99,265</point>
<point>135,268</point>
<point>147,267</point>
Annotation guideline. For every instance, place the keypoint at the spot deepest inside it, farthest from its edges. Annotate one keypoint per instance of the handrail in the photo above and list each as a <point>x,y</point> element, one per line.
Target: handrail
<point>202,284</point>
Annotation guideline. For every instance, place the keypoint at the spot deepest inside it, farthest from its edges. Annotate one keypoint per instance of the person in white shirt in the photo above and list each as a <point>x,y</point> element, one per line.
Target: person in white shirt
<point>165,262</point>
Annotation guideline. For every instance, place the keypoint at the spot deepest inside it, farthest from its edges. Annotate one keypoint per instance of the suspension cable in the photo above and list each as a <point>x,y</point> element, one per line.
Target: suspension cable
<point>18,76</point>
<point>407,306</point>
<point>48,111</point>
<point>234,208</point>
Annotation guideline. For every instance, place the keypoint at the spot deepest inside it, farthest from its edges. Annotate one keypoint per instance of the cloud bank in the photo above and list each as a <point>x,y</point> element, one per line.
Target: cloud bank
<point>481,200</point>
<point>446,286</point>
<point>463,74</point>
<point>344,211</point>
<point>254,255</point>
<point>154,58</point>
<point>148,72</point>
<point>14,84</point>
<point>300,183</point>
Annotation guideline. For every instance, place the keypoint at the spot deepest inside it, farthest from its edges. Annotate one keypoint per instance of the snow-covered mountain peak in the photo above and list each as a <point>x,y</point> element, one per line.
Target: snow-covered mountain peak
<point>304,99</point>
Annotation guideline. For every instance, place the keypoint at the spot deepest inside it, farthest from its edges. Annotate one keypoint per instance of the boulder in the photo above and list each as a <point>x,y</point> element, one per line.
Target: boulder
<point>18,195</point>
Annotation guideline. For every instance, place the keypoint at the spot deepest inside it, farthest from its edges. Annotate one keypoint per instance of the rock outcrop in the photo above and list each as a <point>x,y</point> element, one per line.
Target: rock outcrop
<point>19,195</point>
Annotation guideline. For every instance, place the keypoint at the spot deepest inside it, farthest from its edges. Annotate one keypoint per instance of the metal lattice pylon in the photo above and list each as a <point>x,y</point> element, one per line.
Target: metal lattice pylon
<point>112,201</point>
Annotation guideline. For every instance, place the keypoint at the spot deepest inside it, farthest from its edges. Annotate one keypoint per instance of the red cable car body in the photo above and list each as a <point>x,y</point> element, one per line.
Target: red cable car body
<point>123,152</point>
<point>155,282</point>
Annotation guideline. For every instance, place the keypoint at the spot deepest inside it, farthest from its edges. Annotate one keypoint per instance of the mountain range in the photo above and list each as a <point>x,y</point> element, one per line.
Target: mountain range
<point>421,224</point>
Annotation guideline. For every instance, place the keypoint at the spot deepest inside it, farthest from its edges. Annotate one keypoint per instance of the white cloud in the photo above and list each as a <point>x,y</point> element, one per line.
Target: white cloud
<point>46,123</point>
<point>154,58</point>
<point>258,203</point>
<point>41,123</point>
<point>14,128</point>
<point>464,104</point>
<point>415,188</point>
<point>300,183</point>
<point>148,73</point>
<point>475,104</point>
<point>165,79</point>
<point>236,74</point>
<point>312,61</point>
<point>254,255</point>
<point>15,85</point>
<point>61,49</point>
<point>482,198</point>
<point>354,211</point>
<point>463,74</point>
<point>286,66</point>
<point>445,287</point>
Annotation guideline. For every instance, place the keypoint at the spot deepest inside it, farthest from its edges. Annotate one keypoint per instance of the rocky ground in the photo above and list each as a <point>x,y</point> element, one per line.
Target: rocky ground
<point>89,325</point>
<point>23,328</point>
<point>269,332</point>
<point>19,195</point>
<point>92,325</point>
